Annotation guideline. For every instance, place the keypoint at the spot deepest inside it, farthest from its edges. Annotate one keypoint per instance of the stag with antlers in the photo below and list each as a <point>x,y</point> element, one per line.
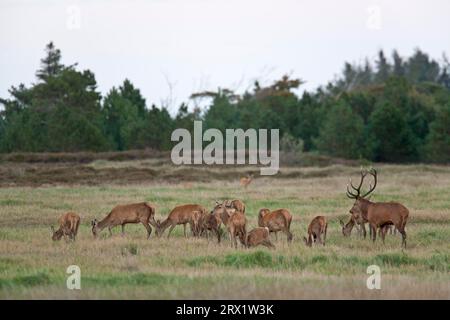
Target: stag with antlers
<point>377,214</point>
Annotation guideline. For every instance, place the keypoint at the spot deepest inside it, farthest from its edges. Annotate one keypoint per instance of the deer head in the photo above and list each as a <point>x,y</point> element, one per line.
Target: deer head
<point>359,207</point>
<point>94,224</point>
<point>347,227</point>
<point>56,234</point>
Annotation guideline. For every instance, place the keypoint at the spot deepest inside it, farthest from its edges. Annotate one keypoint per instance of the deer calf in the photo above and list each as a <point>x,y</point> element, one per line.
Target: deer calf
<point>278,220</point>
<point>123,214</point>
<point>316,229</point>
<point>257,236</point>
<point>68,226</point>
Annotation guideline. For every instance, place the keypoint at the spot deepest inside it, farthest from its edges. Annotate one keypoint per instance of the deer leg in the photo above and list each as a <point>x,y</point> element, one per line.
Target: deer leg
<point>319,238</point>
<point>276,235</point>
<point>268,244</point>
<point>110,232</point>
<point>123,229</point>
<point>149,229</point>
<point>383,232</point>
<point>184,229</point>
<point>363,227</point>
<point>170,230</point>
<point>218,235</point>
<point>374,232</point>
<point>289,236</point>
<point>403,233</point>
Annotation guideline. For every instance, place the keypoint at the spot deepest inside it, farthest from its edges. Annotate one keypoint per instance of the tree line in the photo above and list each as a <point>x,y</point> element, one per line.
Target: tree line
<point>392,110</point>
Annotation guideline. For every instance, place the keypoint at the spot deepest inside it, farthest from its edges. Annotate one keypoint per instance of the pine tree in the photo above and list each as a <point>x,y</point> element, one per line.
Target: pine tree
<point>50,65</point>
<point>437,148</point>
<point>341,133</point>
<point>383,68</point>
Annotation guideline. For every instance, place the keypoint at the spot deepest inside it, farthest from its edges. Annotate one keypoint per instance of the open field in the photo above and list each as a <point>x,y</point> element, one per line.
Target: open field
<point>33,266</point>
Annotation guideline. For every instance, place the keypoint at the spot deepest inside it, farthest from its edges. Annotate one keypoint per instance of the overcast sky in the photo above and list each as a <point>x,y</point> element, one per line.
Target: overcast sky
<point>203,44</point>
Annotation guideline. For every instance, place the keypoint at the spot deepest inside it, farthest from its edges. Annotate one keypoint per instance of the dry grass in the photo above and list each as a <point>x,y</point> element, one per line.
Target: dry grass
<point>32,266</point>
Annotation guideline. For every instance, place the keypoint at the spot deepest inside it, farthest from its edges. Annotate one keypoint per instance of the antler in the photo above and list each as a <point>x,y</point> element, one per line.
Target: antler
<point>352,195</point>
<point>357,193</point>
<point>373,173</point>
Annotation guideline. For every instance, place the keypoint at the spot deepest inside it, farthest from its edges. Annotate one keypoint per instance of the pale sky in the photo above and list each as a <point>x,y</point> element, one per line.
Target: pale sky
<point>205,44</point>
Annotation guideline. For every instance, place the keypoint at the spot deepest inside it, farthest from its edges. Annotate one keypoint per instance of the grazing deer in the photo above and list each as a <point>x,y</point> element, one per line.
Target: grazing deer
<point>245,181</point>
<point>234,221</point>
<point>68,226</point>
<point>179,215</point>
<point>316,228</point>
<point>377,214</point>
<point>278,220</point>
<point>257,236</point>
<point>347,228</point>
<point>143,212</point>
<point>236,204</point>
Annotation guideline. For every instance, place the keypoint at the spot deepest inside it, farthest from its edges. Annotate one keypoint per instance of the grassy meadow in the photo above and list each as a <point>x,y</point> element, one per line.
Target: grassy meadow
<point>32,266</point>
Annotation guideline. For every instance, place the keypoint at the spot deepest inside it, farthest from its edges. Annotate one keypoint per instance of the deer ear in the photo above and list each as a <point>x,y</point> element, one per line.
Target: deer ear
<point>341,222</point>
<point>52,228</point>
<point>217,203</point>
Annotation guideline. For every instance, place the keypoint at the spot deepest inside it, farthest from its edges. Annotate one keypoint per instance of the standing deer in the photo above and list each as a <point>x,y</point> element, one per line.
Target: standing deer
<point>316,229</point>
<point>245,181</point>
<point>179,215</point>
<point>234,221</point>
<point>377,214</point>
<point>68,226</point>
<point>278,220</point>
<point>257,236</point>
<point>210,223</point>
<point>143,212</point>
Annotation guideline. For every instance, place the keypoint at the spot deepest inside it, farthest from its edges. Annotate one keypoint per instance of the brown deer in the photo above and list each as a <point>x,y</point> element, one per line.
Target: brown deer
<point>316,229</point>
<point>210,223</point>
<point>347,228</point>
<point>257,236</point>
<point>278,220</point>
<point>236,226</point>
<point>234,221</point>
<point>179,215</point>
<point>377,214</point>
<point>68,226</point>
<point>143,212</point>
<point>236,204</point>
<point>245,181</point>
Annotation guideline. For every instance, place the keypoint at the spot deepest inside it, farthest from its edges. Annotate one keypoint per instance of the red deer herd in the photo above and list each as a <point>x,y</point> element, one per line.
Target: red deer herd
<point>380,216</point>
